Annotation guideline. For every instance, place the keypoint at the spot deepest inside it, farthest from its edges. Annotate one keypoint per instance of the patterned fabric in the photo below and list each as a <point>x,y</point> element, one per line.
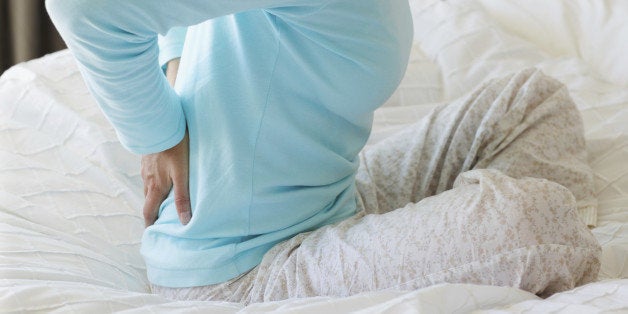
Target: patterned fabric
<point>485,190</point>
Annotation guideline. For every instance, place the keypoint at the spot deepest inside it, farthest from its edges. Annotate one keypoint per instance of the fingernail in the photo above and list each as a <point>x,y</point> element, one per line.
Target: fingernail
<point>186,217</point>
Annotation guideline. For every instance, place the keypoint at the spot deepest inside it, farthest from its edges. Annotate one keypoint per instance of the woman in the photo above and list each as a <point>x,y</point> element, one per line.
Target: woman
<point>258,143</point>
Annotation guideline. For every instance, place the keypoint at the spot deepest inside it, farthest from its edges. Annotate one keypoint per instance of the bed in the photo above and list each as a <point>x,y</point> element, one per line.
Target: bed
<point>71,196</point>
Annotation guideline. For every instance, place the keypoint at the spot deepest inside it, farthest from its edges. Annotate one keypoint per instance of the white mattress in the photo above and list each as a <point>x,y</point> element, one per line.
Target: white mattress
<point>71,196</point>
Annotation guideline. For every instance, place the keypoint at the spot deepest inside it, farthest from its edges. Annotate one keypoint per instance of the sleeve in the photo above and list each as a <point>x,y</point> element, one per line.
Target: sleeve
<point>171,45</point>
<point>115,45</point>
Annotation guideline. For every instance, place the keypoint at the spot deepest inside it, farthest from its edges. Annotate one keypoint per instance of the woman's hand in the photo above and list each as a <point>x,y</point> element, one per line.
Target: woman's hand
<point>164,170</point>
<point>161,172</point>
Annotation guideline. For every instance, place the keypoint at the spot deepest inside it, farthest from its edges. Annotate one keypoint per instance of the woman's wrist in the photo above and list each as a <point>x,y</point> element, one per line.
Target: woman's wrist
<point>172,67</point>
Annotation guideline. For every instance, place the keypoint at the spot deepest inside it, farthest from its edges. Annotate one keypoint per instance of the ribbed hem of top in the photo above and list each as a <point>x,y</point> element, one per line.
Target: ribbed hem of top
<point>181,278</point>
<point>171,45</point>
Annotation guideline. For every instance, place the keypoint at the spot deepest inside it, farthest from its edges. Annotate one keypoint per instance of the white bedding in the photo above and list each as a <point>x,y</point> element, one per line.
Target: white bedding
<point>70,195</point>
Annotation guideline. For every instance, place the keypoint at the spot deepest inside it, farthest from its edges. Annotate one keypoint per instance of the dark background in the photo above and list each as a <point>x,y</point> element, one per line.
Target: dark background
<point>26,32</point>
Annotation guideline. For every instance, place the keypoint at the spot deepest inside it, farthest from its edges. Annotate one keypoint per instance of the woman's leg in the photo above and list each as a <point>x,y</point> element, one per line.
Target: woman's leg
<point>489,229</point>
<point>492,227</point>
<point>525,125</point>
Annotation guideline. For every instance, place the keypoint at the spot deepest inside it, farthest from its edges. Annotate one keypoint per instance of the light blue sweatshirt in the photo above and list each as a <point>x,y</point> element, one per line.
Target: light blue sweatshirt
<point>277,95</point>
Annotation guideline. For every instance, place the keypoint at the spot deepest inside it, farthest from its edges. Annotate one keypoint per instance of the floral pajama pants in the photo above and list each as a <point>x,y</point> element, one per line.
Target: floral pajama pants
<point>493,188</point>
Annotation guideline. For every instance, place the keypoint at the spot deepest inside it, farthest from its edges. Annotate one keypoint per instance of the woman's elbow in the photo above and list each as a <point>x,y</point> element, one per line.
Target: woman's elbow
<point>74,16</point>
<point>66,14</point>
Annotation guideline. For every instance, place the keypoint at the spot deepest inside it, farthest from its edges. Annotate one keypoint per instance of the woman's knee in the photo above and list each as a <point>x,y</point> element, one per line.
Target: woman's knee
<point>531,226</point>
<point>529,210</point>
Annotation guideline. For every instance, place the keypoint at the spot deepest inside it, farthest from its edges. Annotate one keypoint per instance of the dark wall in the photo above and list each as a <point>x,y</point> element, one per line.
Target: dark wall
<point>26,32</point>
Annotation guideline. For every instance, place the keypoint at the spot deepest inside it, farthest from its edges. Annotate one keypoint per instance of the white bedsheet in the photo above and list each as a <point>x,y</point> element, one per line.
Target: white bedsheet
<point>70,195</point>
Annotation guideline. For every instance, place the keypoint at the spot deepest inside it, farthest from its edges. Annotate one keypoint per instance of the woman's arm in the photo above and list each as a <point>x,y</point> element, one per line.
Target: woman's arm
<point>166,170</point>
<point>115,44</point>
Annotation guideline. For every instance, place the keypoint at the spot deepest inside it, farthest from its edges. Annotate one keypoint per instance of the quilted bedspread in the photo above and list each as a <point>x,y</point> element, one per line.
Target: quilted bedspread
<point>71,196</point>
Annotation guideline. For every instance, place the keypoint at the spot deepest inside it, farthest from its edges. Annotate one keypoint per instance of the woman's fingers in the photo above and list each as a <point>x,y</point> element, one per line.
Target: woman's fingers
<point>180,179</point>
<point>152,202</point>
<point>182,197</point>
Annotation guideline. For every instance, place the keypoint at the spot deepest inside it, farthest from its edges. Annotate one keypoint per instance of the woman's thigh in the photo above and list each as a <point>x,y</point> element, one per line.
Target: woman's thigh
<point>524,125</point>
<point>488,229</point>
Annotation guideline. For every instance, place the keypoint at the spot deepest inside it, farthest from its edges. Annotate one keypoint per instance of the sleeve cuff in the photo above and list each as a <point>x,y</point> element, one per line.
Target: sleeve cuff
<point>159,130</point>
<point>171,45</point>
<point>169,142</point>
